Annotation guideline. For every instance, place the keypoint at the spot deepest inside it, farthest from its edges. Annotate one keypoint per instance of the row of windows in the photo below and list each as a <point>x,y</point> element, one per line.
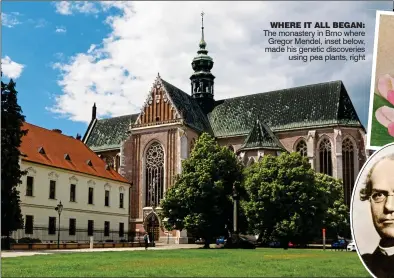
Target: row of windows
<point>325,159</point>
<point>52,192</point>
<point>325,162</point>
<point>72,226</point>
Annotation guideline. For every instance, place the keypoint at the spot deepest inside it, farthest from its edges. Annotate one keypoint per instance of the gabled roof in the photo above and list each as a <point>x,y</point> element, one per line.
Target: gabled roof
<point>188,108</point>
<point>261,137</point>
<point>57,147</point>
<point>151,98</point>
<point>308,106</point>
<point>105,134</point>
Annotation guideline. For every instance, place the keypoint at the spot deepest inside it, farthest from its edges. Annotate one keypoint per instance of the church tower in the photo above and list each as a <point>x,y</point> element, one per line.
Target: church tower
<point>202,78</point>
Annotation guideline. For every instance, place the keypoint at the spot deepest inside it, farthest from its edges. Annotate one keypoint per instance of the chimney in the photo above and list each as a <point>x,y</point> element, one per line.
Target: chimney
<point>78,137</point>
<point>57,130</point>
<point>94,109</point>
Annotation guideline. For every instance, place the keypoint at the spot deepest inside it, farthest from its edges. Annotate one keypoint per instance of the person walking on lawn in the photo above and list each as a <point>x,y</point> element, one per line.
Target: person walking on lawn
<point>146,240</point>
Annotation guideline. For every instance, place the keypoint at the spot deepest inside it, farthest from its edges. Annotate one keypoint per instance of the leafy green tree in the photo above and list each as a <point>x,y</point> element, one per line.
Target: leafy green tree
<point>200,200</point>
<point>288,202</point>
<point>11,134</point>
<point>336,219</point>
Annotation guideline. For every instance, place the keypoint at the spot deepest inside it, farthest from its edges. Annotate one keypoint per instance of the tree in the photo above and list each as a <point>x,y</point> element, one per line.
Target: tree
<point>11,134</point>
<point>287,201</point>
<point>200,200</point>
<point>336,219</point>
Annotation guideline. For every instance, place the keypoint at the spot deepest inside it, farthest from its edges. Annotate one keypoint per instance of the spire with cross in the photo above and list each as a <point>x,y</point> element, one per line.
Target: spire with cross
<point>203,44</point>
<point>202,80</point>
<point>202,23</point>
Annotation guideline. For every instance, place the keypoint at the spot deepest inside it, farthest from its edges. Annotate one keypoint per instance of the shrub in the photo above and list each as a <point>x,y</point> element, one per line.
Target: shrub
<point>29,240</point>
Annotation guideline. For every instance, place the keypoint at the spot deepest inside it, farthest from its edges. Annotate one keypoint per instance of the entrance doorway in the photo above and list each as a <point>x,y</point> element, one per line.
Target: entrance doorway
<point>153,227</point>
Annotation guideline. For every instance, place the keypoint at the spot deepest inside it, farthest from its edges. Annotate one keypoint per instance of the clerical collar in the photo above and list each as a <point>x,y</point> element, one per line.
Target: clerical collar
<point>387,251</point>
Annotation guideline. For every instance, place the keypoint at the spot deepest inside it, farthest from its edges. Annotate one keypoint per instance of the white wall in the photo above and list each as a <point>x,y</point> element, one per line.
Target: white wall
<point>41,207</point>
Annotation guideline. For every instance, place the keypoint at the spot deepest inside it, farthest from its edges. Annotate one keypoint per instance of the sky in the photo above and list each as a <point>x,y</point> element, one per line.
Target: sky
<point>65,56</point>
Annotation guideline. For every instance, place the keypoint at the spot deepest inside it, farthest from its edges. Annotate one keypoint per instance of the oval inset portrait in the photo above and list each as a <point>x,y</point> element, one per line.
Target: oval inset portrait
<point>372,213</point>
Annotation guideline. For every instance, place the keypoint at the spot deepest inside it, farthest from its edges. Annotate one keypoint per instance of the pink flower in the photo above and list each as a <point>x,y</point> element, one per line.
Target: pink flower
<point>386,87</point>
<point>385,116</point>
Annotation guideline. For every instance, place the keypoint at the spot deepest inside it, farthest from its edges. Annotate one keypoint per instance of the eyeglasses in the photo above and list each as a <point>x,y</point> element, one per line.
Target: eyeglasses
<point>378,197</point>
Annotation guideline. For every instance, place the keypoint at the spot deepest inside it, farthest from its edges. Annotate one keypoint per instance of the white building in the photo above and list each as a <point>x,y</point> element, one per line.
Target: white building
<point>95,198</point>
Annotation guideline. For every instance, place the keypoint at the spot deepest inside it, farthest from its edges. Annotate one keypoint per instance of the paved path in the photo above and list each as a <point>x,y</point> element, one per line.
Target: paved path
<point>11,254</point>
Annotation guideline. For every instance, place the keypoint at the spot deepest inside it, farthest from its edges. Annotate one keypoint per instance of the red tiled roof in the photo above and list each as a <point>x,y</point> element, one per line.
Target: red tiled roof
<point>56,146</point>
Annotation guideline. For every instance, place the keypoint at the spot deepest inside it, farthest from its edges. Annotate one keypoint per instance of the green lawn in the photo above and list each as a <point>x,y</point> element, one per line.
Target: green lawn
<point>189,262</point>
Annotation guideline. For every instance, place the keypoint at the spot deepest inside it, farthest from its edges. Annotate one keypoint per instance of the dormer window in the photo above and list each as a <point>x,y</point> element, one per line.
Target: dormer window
<point>89,162</point>
<point>67,157</point>
<point>41,150</point>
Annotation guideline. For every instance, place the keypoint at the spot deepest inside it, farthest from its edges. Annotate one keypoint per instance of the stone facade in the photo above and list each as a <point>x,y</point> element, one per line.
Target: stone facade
<point>176,140</point>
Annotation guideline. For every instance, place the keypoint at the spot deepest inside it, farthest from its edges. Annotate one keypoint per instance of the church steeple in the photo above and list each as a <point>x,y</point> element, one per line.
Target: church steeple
<point>203,44</point>
<point>202,80</point>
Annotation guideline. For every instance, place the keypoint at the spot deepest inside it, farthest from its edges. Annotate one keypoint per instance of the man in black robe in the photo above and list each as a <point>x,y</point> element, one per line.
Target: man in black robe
<point>379,191</point>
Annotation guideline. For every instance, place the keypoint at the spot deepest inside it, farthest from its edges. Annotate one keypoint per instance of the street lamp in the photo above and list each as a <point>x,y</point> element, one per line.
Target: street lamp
<point>152,201</point>
<point>59,209</point>
<point>235,213</point>
<point>153,225</point>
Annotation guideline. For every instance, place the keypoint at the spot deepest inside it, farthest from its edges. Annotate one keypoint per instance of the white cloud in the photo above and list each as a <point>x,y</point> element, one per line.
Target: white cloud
<point>86,7</point>
<point>10,20</point>
<point>91,48</point>
<point>151,37</point>
<point>69,8</point>
<point>63,7</point>
<point>11,69</point>
<point>60,29</point>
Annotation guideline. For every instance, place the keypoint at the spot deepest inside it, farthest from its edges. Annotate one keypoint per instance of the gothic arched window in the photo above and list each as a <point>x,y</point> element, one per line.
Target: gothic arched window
<point>251,161</point>
<point>154,174</point>
<point>348,168</point>
<point>325,159</point>
<point>301,148</point>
